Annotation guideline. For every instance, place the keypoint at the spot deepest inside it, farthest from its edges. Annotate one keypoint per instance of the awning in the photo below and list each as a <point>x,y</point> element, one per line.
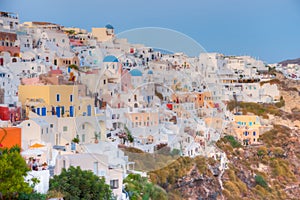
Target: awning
<point>36,145</point>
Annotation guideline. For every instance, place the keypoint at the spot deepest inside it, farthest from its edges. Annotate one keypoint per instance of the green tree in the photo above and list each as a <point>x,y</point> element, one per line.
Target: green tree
<point>129,136</point>
<point>75,183</point>
<point>139,188</point>
<point>13,169</point>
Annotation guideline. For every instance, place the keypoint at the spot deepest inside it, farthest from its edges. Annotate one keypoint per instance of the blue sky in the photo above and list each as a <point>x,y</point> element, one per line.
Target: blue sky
<point>266,29</point>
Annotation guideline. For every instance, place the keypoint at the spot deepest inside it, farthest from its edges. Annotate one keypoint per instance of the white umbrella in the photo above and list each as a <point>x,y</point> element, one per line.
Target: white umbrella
<point>32,152</point>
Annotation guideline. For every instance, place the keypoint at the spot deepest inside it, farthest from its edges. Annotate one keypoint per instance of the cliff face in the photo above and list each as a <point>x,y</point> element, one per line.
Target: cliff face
<point>190,178</point>
<point>269,170</point>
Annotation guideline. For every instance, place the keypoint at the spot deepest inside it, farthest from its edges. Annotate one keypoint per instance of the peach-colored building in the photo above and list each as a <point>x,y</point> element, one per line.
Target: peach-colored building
<point>66,61</point>
<point>246,128</point>
<point>142,119</point>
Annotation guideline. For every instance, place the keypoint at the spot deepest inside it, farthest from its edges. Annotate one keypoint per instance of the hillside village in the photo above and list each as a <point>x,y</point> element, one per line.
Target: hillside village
<point>69,97</point>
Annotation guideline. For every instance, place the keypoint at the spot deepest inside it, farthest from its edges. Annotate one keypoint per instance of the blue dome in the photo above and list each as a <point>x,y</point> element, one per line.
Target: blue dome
<point>150,72</point>
<point>136,72</point>
<point>110,59</point>
<point>108,26</point>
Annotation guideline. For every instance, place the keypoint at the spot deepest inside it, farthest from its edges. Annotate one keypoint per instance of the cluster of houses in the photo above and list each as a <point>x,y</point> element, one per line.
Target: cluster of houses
<point>289,70</point>
<point>69,97</point>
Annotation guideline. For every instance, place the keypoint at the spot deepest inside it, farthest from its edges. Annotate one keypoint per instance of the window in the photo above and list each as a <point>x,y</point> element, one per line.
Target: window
<point>101,173</point>
<point>136,118</point>
<point>65,128</point>
<point>63,40</point>
<point>57,97</point>
<point>83,138</point>
<point>47,130</point>
<point>104,82</point>
<point>96,168</point>
<point>64,164</point>
<point>51,125</point>
<point>28,124</point>
<point>42,131</point>
<point>114,184</point>
<point>71,98</point>
<point>83,126</point>
<point>254,133</point>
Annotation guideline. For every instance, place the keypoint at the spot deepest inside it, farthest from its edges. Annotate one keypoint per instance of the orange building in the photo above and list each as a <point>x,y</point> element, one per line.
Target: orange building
<point>7,43</point>
<point>10,136</point>
<point>196,97</point>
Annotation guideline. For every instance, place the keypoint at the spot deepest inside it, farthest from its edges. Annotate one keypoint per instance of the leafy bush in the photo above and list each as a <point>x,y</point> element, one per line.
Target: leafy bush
<point>32,196</point>
<point>75,183</point>
<point>232,141</point>
<point>261,181</point>
<point>139,188</point>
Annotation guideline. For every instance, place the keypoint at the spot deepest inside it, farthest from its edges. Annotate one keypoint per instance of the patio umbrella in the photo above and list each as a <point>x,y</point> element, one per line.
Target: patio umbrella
<point>36,145</point>
<point>31,152</point>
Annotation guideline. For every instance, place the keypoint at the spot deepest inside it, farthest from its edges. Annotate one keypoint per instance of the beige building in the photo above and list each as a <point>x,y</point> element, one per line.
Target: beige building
<point>246,129</point>
<point>103,34</point>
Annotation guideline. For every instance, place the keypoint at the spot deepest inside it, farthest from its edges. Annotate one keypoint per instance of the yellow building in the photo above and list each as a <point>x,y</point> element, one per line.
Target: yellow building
<point>142,119</point>
<point>103,34</point>
<point>247,120</point>
<point>246,128</point>
<point>60,100</point>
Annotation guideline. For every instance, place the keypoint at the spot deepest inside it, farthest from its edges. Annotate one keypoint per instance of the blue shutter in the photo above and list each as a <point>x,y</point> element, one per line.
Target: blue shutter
<point>44,111</point>
<point>71,111</point>
<point>58,111</point>
<point>38,111</point>
<point>89,110</point>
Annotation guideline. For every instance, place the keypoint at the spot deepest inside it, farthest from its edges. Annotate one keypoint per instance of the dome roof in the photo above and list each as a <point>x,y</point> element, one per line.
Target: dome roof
<point>136,72</point>
<point>108,26</point>
<point>110,59</point>
<point>150,72</point>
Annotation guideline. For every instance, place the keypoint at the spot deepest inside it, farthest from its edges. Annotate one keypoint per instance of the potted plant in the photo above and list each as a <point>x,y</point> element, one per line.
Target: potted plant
<point>97,136</point>
<point>75,140</point>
